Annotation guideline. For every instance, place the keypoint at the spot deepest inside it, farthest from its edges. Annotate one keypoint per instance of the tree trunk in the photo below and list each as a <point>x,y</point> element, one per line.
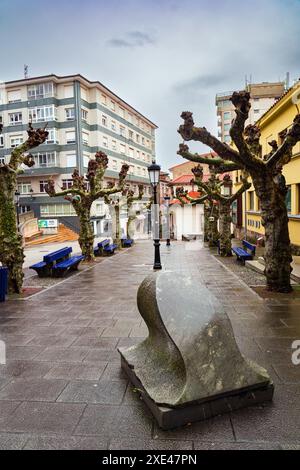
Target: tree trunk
<point>131,219</point>
<point>86,234</point>
<point>271,190</point>
<point>117,239</point>
<point>211,233</point>
<point>225,228</point>
<point>11,250</point>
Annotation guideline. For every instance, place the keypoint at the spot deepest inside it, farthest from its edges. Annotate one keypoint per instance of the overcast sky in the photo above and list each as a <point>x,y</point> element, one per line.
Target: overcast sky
<point>161,56</point>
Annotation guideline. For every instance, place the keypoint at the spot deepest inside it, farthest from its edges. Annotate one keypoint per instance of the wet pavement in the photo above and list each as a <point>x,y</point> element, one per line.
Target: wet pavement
<point>62,386</point>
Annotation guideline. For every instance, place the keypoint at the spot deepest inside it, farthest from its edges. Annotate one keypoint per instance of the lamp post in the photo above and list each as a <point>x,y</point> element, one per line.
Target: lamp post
<point>167,200</point>
<point>154,175</point>
<point>17,196</point>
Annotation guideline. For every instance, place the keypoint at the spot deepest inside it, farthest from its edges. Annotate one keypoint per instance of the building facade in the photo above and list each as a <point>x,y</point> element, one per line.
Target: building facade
<point>277,119</point>
<point>263,96</point>
<point>83,117</point>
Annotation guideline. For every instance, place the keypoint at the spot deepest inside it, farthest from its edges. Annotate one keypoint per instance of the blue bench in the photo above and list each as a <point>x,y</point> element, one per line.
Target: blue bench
<point>52,264</point>
<point>3,283</point>
<point>70,264</point>
<point>105,247</point>
<point>245,253</point>
<point>126,242</point>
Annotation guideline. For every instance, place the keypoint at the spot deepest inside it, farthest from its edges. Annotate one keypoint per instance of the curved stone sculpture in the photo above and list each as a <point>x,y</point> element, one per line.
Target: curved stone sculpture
<point>190,356</point>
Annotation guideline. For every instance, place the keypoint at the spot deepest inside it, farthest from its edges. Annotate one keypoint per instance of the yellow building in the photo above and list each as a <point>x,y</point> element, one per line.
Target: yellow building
<point>246,213</point>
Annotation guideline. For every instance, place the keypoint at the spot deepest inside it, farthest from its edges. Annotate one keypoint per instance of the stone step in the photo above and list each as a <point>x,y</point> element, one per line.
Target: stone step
<point>259,266</point>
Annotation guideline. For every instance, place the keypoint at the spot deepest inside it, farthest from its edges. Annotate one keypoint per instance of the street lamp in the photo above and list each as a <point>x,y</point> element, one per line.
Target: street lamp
<point>17,196</point>
<point>167,199</point>
<point>154,175</point>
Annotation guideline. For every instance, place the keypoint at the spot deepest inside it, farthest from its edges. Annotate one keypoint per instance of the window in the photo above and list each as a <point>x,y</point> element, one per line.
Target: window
<point>86,160</point>
<point>105,141</point>
<point>122,112</point>
<point>24,188</point>
<point>137,138</point>
<point>44,113</point>
<point>251,200</point>
<point>15,141</point>
<point>24,209</point>
<point>104,120</point>
<point>103,100</point>
<point>138,170</point>
<point>85,138</point>
<point>71,161</point>
<point>113,126</point>
<point>147,143</point>
<point>57,210</point>
<point>227,116</point>
<point>45,160</point>
<point>138,155</point>
<point>130,135</point>
<point>15,119</point>
<point>43,185</point>
<point>112,105</point>
<point>122,148</point>
<point>131,169</point>
<point>131,152</point>
<point>288,199</point>
<point>227,138</point>
<point>68,91</point>
<point>114,144</point>
<point>1,140</point>
<point>226,127</point>
<point>114,165</point>
<point>84,114</point>
<point>52,136</point>
<point>143,140</point>
<point>70,137</point>
<point>130,117</point>
<point>256,111</point>
<point>67,184</point>
<point>14,96</point>
<point>70,114</point>
<point>122,131</point>
<point>143,157</point>
<point>2,160</point>
<point>42,90</point>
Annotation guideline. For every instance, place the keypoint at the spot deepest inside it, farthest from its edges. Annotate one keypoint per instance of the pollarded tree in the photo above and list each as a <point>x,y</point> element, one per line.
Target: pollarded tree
<point>213,188</point>
<point>82,194</point>
<point>126,201</point>
<point>266,174</point>
<point>11,246</point>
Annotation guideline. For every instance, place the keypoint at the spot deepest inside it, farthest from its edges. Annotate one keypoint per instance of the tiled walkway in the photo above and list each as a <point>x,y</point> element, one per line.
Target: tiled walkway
<point>62,386</point>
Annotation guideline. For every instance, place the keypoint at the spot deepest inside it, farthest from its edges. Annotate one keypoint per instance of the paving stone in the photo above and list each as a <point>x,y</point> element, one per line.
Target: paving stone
<point>104,392</point>
<point>7,408</point>
<point>25,369</point>
<point>266,424</point>
<point>71,371</point>
<point>44,418</point>
<point>149,444</point>
<point>236,446</point>
<point>71,443</point>
<point>53,340</point>
<point>12,441</point>
<point>95,342</point>
<point>32,390</point>
<point>288,373</point>
<point>71,354</point>
<point>215,429</point>
<point>22,352</point>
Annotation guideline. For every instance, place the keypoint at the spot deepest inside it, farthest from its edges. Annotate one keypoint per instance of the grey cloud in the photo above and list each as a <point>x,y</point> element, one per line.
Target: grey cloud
<point>200,82</point>
<point>132,39</point>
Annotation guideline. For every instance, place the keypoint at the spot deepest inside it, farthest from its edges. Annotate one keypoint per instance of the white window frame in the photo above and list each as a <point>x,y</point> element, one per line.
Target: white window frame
<point>45,160</point>
<point>17,119</point>
<point>84,114</point>
<point>41,90</point>
<point>19,140</point>
<point>104,141</point>
<point>70,114</point>
<point>53,136</point>
<point>70,141</point>
<point>43,113</point>
<point>24,188</point>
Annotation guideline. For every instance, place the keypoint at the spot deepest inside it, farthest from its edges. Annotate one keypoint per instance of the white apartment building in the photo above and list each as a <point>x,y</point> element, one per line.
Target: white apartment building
<point>263,96</point>
<point>83,117</point>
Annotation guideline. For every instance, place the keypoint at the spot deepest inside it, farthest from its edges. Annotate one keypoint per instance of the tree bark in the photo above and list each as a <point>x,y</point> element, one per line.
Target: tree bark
<point>11,249</point>
<point>271,191</point>
<point>225,228</point>
<point>86,234</point>
<point>117,239</point>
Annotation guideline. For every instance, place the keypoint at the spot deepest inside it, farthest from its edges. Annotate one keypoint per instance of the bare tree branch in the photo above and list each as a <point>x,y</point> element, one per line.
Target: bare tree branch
<point>283,154</point>
<point>222,165</point>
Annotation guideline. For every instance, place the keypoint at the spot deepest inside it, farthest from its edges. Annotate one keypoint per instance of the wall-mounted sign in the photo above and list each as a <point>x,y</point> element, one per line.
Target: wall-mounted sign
<point>48,223</point>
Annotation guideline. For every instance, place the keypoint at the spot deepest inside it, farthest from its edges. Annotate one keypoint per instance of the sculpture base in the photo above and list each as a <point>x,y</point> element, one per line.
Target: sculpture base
<point>170,418</point>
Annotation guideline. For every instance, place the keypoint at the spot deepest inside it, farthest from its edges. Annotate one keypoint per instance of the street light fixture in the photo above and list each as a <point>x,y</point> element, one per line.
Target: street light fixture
<point>154,175</point>
<point>167,199</point>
